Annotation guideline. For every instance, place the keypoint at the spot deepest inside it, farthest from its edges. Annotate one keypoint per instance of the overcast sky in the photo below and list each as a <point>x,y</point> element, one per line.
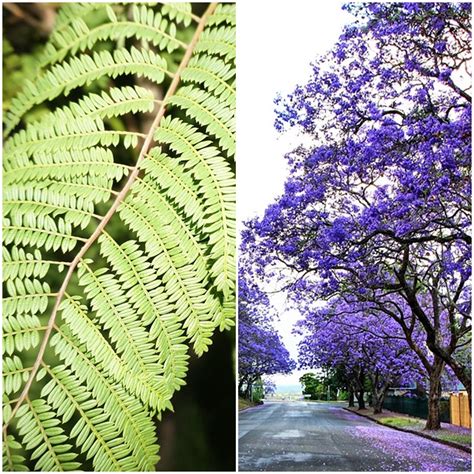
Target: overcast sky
<point>276,44</point>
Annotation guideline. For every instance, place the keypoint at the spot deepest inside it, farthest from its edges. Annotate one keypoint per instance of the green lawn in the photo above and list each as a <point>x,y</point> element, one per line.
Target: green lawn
<point>400,422</point>
<point>446,435</point>
<point>455,437</point>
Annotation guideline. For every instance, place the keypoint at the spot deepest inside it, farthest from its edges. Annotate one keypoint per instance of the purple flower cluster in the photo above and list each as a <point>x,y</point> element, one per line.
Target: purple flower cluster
<point>350,336</point>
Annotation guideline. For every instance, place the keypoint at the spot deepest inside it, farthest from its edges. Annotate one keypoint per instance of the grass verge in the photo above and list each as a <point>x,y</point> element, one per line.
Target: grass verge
<point>400,422</point>
<point>455,437</point>
<point>243,404</point>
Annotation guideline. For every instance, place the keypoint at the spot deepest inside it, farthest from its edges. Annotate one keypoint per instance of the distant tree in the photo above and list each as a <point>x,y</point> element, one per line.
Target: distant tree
<point>269,387</point>
<point>310,385</point>
<point>320,386</point>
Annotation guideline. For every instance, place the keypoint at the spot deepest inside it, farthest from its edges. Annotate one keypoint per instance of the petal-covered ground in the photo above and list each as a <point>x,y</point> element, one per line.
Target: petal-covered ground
<point>413,452</point>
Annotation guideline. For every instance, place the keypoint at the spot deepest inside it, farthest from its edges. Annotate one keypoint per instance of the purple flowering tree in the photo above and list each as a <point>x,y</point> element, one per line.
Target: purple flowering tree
<point>360,344</point>
<point>363,342</point>
<point>261,351</point>
<point>378,209</point>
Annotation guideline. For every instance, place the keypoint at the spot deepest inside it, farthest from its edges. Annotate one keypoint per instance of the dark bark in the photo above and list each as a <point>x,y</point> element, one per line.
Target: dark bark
<point>378,398</point>
<point>378,394</point>
<point>246,381</point>
<point>248,391</point>
<point>358,382</point>
<point>360,399</point>
<point>433,340</point>
<point>351,397</point>
<point>462,375</point>
<point>377,406</point>
<point>434,370</point>
<point>434,422</point>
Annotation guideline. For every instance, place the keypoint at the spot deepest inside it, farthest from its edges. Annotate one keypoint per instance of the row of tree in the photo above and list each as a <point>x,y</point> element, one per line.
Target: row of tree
<point>371,238</point>
<point>371,352</point>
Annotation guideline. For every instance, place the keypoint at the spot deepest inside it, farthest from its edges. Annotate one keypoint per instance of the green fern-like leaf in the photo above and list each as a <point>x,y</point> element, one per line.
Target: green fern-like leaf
<point>119,230</point>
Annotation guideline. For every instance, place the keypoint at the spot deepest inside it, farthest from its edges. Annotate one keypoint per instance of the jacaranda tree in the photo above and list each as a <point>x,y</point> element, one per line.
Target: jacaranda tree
<point>379,204</point>
<point>261,350</point>
<point>362,319</point>
<point>364,346</point>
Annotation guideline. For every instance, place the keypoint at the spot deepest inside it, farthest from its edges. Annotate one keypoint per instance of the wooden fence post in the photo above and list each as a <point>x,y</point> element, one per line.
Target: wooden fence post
<point>452,409</point>
<point>459,409</point>
<point>464,411</point>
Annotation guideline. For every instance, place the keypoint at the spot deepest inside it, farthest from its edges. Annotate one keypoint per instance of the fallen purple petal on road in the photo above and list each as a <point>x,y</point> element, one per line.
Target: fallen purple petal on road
<point>405,447</point>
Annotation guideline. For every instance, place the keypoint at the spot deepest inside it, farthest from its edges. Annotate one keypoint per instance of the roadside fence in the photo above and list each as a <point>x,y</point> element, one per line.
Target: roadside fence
<point>459,409</point>
<point>415,407</point>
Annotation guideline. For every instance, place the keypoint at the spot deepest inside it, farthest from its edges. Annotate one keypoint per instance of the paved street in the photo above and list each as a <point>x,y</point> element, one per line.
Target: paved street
<point>311,436</point>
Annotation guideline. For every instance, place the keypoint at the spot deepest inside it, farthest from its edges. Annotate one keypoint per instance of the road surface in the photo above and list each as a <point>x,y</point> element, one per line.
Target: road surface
<point>312,436</point>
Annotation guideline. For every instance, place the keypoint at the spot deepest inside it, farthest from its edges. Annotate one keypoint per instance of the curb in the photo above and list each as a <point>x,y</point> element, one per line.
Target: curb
<point>466,449</point>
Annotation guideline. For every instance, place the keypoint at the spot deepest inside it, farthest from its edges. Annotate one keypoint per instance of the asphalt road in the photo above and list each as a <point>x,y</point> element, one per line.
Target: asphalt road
<point>311,436</point>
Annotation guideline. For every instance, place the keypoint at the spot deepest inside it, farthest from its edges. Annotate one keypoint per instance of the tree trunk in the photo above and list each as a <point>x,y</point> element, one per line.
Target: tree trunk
<point>360,389</point>
<point>241,385</point>
<point>434,342</point>
<point>248,390</point>
<point>433,422</point>
<point>377,406</point>
<point>373,402</point>
<point>459,370</point>
<point>351,397</point>
<point>378,397</point>
<point>360,399</point>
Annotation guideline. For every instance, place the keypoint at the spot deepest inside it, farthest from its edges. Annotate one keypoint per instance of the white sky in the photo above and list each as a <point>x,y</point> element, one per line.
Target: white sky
<point>275,48</point>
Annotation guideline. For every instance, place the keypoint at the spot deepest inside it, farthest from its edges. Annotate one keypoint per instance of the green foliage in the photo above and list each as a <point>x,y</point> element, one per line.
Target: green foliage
<point>16,69</point>
<point>401,422</point>
<point>343,395</point>
<point>258,391</point>
<point>311,385</point>
<point>316,386</point>
<point>98,320</point>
